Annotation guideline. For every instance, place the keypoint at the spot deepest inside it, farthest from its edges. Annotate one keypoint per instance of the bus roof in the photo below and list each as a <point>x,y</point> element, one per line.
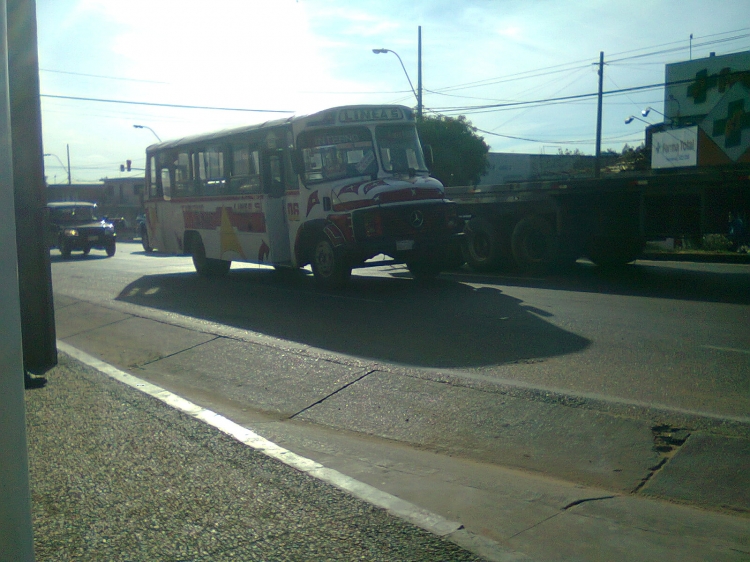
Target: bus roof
<point>326,117</point>
<point>193,139</point>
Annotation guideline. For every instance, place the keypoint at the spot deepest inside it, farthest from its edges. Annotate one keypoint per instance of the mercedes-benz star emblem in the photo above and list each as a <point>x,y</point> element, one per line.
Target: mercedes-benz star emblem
<point>416,219</point>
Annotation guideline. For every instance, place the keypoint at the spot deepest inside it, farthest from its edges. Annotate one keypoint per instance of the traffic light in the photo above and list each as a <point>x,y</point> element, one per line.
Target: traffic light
<point>122,167</point>
<point>128,164</point>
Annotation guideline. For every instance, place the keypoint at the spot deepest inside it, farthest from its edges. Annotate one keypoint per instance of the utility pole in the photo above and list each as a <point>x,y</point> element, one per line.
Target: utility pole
<point>16,535</point>
<point>597,160</point>
<point>419,75</point>
<point>67,147</point>
<point>34,273</point>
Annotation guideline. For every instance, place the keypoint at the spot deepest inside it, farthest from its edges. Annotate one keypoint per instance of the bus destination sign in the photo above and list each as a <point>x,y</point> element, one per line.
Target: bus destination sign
<point>359,114</point>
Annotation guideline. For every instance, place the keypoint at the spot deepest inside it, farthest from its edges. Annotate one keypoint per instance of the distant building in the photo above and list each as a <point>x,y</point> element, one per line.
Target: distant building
<point>116,197</point>
<point>506,167</point>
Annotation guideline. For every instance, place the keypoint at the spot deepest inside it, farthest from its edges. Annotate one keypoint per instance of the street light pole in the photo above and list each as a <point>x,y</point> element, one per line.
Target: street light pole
<point>418,96</point>
<point>67,170</point>
<point>419,73</point>
<point>149,128</point>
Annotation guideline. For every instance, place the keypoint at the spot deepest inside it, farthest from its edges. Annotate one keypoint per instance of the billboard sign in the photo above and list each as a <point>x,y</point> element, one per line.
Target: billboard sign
<point>675,148</point>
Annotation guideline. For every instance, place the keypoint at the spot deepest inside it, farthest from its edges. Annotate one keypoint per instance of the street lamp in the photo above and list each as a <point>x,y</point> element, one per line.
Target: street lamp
<point>67,169</point>
<point>630,119</point>
<point>416,95</point>
<point>149,128</point>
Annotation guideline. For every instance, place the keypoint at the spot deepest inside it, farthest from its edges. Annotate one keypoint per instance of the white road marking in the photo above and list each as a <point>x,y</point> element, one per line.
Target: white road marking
<point>416,515</point>
<point>731,349</point>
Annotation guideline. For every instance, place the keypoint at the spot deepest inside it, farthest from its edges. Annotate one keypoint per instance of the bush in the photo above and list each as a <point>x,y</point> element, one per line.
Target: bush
<point>716,243</point>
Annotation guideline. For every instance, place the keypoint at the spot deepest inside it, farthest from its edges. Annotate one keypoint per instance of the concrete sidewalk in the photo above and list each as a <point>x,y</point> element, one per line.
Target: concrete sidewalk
<point>576,496</point>
<point>118,475</point>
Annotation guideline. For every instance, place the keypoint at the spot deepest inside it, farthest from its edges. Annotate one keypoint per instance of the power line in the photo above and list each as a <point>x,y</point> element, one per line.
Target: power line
<point>559,67</point>
<point>76,98</point>
<point>123,79</point>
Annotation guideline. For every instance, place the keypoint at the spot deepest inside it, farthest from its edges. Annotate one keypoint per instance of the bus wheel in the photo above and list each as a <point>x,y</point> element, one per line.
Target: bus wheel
<point>111,248</point>
<point>533,243</point>
<point>145,242</point>
<point>328,265</point>
<point>481,245</point>
<point>207,267</point>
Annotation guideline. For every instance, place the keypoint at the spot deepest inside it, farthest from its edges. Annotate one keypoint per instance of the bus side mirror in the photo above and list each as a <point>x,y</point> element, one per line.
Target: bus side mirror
<point>429,159</point>
<point>298,163</point>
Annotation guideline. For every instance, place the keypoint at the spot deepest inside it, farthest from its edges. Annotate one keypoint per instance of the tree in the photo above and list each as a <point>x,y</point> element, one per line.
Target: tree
<point>638,158</point>
<point>460,154</point>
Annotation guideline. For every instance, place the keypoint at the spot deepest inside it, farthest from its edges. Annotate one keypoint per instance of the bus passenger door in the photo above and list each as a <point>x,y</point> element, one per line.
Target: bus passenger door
<point>276,177</point>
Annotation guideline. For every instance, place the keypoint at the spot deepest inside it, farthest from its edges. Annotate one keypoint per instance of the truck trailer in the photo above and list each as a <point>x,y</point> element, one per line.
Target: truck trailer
<point>698,183</point>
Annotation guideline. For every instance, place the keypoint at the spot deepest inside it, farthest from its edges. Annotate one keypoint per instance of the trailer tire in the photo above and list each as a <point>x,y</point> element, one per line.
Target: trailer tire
<point>533,244</point>
<point>481,245</point>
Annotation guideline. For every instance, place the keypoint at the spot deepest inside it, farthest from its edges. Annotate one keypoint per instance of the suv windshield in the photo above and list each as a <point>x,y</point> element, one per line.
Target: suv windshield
<point>400,150</point>
<point>72,214</point>
<point>338,152</point>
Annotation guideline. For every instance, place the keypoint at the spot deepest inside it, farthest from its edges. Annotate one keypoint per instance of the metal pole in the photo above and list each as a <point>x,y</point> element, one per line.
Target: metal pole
<point>16,536</point>
<point>37,313</point>
<point>597,160</point>
<point>67,146</point>
<point>419,76</point>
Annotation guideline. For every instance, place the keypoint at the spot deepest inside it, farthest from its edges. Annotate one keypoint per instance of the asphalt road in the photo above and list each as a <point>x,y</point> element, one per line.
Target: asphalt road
<point>496,401</point>
<point>658,333</point>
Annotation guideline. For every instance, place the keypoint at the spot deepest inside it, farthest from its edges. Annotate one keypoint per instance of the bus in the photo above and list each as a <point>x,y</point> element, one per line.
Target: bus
<point>331,190</point>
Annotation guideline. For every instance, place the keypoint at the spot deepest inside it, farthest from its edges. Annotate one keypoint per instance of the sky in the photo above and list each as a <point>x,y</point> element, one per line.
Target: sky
<point>255,60</point>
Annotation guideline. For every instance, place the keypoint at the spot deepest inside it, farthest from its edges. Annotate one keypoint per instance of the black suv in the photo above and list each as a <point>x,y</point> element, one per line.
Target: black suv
<point>73,225</point>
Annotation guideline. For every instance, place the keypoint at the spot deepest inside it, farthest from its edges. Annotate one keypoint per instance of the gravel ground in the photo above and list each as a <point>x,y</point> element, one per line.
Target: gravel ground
<point>118,475</point>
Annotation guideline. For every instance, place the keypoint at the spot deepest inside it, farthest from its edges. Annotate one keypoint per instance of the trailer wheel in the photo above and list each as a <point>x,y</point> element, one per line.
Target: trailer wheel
<point>481,245</point>
<point>207,267</point>
<point>614,252</point>
<point>329,266</point>
<point>533,243</point>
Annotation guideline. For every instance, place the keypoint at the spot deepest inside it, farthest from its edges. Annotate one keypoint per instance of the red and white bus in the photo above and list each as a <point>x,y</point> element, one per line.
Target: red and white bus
<point>332,190</point>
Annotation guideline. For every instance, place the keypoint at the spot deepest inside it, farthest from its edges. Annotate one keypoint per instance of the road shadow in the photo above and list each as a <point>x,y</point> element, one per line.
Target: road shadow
<point>443,324</point>
<point>681,281</point>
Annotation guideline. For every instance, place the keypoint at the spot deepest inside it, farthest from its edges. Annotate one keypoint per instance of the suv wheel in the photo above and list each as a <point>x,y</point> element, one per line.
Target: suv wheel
<point>64,247</point>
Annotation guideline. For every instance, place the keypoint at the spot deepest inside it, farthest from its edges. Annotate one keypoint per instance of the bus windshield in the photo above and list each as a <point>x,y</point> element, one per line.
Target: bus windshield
<point>336,153</point>
<point>400,150</point>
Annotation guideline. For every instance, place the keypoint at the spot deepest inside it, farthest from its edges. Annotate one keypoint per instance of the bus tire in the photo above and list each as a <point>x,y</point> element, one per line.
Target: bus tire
<point>207,267</point>
<point>329,266</point>
<point>111,248</point>
<point>533,244</point>
<point>481,245</point>
<point>145,242</point>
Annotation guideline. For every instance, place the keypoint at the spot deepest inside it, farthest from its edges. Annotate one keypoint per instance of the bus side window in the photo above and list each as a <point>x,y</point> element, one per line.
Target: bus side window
<point>273,173</point>
<point>244,177</point>
<point>154,187</point>
<point>212,171</point>
<point>184,186</point>
<point>166,183</point>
